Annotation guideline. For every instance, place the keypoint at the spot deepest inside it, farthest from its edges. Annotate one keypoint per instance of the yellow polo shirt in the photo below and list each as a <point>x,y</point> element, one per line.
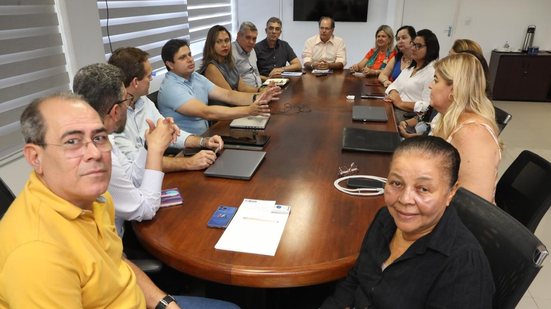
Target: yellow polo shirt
<point>55,255</point>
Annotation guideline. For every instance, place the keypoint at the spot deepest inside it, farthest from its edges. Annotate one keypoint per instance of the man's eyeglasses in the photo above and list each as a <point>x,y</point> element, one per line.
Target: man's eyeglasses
<point>76,147</point>
<point>129,97</point>
<point>417,45</point>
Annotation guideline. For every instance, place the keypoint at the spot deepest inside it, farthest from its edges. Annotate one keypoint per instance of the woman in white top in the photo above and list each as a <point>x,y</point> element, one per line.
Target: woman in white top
<point>466,119</point>
<point>412,84</point>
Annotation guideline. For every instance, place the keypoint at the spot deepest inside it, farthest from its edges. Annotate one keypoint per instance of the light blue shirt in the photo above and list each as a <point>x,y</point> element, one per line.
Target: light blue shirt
<point>176,91</point>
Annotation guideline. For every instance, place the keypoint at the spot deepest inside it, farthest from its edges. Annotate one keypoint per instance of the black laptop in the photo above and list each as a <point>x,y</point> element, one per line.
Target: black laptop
<point>369,113</point>
<point>357,139</point>
<point>237,164</point>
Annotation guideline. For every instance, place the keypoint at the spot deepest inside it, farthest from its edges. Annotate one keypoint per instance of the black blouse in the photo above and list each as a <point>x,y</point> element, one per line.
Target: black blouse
<point>444,269</point>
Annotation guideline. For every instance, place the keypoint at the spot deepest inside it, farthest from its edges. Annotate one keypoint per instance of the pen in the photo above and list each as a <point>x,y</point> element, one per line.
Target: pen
<point>261,219</point>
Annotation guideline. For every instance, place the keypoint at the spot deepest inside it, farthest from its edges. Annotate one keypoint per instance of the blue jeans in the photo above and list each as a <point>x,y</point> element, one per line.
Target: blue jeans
<point>192,302</point>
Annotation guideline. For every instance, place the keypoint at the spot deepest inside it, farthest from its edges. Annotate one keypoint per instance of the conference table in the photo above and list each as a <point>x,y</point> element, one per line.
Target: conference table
<point>325,228</point>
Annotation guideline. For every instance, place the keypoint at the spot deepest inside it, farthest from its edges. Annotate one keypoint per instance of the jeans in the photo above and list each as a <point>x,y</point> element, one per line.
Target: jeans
<point>192,302</point>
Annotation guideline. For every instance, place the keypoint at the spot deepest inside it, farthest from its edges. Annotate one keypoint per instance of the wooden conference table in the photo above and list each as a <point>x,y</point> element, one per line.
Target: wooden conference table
<point>324,231</point>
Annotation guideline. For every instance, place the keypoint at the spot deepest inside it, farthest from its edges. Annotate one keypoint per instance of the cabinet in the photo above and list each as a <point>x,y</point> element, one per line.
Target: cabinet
<point>520,77</point>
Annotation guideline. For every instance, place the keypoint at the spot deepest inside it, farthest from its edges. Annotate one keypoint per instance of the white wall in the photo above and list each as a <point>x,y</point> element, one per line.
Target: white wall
<point>492,22</point>
<point>359,37</point>
<point>489,22</point>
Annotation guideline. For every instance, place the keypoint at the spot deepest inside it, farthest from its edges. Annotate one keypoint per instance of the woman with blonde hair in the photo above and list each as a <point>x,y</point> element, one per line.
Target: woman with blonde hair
<point>466,119</point>
<point>462,45</point>
<point>377,58</point>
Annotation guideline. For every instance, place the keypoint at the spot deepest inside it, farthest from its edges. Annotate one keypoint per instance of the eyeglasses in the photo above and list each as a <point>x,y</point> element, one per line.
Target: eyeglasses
<point>417,45</point>
<point>76,147</point>
<point>347,171</point>
<point>129,97</point>
<point>293,109</point>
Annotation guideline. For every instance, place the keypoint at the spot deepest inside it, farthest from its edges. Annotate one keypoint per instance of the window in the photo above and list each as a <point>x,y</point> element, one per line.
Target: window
<point>203,14</point>
<point>32,63</point>
<point>145,24</point>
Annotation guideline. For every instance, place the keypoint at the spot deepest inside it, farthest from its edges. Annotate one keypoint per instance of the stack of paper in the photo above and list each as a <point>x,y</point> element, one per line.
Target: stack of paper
<point>256,228</point>
<point>292,74</point>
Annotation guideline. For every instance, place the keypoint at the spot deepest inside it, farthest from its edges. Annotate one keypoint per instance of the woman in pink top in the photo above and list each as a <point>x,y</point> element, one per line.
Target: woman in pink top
<point>466,119</point>
<point>377,58</point>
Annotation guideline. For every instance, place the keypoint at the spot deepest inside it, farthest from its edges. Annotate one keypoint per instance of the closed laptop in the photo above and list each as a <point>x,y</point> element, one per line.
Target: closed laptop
<point>369,113</point>
<point>357,139</point>
<point>236,164</point>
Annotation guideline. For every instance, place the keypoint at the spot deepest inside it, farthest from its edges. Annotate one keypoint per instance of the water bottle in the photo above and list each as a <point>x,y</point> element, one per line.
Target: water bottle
<point>529,38</point>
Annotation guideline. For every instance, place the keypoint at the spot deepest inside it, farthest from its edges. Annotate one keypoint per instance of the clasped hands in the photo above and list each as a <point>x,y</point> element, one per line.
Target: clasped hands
<point>161,135</point>
<point>320,65</point>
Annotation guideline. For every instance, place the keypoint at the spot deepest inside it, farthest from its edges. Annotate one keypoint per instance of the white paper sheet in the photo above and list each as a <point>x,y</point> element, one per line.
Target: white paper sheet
<point>254,229</point>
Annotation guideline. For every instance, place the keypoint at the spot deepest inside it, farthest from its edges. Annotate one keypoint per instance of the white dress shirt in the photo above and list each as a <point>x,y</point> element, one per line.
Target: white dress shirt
<point>132,139</point>
<point>334,50</point>
<point>414,88</point>
<point>136,191</point>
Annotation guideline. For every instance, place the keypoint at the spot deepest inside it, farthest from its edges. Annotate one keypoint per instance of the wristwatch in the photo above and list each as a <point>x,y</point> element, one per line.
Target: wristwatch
<point>163,303</point>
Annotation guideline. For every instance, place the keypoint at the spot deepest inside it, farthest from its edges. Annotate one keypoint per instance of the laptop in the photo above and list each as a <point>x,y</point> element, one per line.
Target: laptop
<point>252,141</point>
<point>236,164</point>
<point>357,139</point>
<point>250,122</point>
<point>369,113</point>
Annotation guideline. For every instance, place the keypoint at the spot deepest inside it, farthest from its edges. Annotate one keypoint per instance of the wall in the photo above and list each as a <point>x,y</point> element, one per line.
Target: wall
<point>492,22</point>
<point>489,22</point>
<point>359,37</point>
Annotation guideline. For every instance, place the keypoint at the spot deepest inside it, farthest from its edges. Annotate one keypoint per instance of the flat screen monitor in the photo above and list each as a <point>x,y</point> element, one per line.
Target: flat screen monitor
<point>340,10</point>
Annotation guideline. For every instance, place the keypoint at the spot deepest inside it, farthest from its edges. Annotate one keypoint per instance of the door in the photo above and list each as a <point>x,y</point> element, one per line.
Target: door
<point>436,15</point>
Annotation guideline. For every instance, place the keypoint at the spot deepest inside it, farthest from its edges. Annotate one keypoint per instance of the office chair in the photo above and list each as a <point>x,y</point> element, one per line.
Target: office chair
<point>149,266</point>
<point>524,190</point>
<point>153,97</point>
<point>515,254</point>
<point>502,118</point>
<point>6,198</point>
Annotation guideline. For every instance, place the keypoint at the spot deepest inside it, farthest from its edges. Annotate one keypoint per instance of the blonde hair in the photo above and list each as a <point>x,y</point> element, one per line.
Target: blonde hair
<point>461,45</point>
<point>466,76</point>
<point>388,31</point>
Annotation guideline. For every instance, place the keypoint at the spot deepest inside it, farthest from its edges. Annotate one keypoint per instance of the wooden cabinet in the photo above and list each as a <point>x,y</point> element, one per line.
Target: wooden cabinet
<point>520,77</point>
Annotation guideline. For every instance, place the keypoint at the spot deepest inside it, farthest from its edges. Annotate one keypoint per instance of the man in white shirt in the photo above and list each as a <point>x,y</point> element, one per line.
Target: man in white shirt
<point>135,185</point>
<point>324,50</point>
<point>135,65</point>
<point>244,55</point>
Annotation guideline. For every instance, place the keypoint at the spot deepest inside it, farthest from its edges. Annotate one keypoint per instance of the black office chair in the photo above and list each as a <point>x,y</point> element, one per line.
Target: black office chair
<point>6,198</point>
<point>515,254</point>
<point>502,118</point>
<point>149,266</point>
<point>524,190</point>
<point>153,97</point>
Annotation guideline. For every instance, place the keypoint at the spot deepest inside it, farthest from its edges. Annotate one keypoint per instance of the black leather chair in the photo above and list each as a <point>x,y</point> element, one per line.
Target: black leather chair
<point>524,190</point>
<point>502,118</point>
<point>153,97</point>
<point>515,254</point>
<point>6,198</point>
<point>149,266</point>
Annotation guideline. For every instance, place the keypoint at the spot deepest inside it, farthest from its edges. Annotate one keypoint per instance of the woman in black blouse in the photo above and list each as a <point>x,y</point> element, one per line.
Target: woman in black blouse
<point>417,253</point>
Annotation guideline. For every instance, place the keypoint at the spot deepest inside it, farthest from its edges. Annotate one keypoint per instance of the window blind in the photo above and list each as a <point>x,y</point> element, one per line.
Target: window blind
<point>203,14</point>
<point>32,63</point>
<point>145,24</point>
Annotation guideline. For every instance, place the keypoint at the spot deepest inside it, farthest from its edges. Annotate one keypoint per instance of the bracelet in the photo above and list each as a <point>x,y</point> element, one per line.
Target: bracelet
<point>201,142</point>
<point>163,303</point>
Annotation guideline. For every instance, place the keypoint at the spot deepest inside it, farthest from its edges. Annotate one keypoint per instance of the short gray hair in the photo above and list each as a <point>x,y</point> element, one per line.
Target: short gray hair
<point>33,125</point>
<point>247,25</point>
<point>100,84</point>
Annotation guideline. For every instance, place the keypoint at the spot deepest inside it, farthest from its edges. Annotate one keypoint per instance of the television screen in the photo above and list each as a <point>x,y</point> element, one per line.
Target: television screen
<point>340,10</point>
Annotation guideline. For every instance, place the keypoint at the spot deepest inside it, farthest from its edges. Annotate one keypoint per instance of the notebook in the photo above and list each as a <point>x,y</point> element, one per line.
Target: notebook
<point>369,113</point>
<point>236,164</point>
<point>250,122</point>
<point>368,140</point>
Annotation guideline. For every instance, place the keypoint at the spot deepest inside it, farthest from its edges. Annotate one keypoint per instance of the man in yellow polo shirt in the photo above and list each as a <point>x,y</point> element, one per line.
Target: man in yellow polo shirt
<point>58,243</point>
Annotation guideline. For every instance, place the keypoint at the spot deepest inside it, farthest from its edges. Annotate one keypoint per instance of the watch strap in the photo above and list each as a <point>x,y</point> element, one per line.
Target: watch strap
<point>163,303</point>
